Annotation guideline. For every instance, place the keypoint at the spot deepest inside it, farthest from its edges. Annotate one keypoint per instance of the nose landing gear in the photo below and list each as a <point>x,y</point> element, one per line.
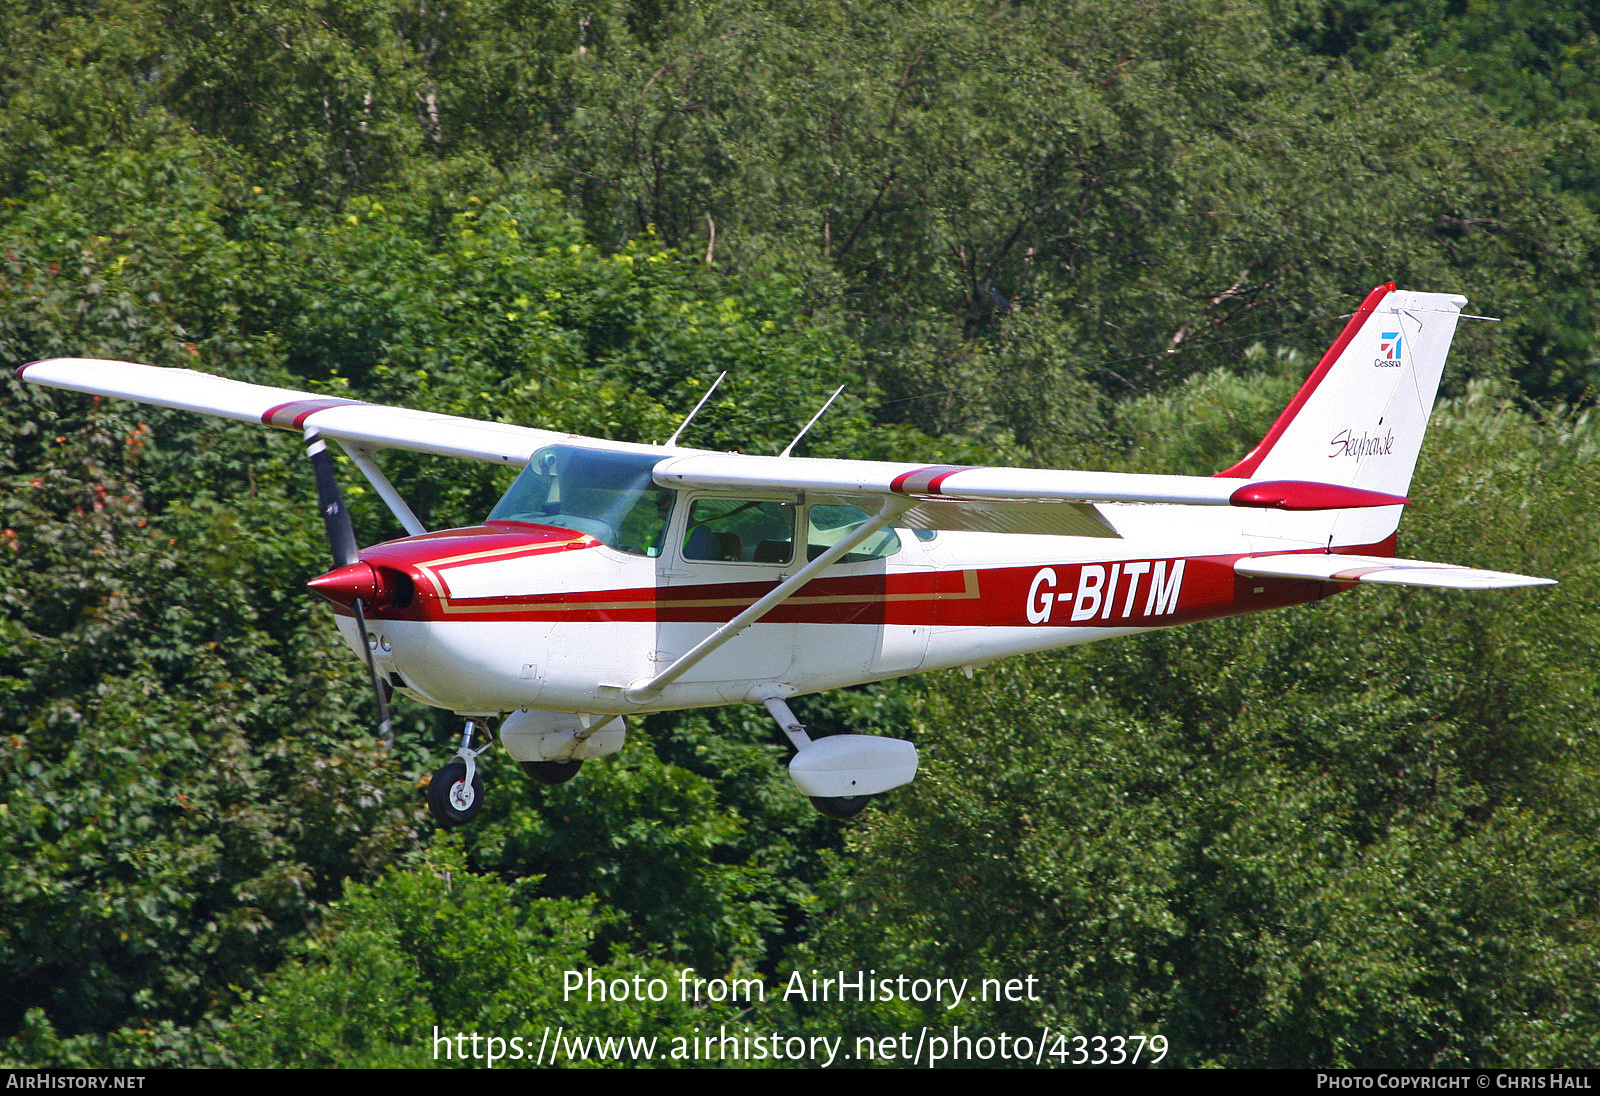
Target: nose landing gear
<point>455,794</point>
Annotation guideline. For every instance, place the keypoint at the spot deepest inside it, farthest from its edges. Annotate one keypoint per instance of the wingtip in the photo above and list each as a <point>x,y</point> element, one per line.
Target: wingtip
<point>1307,495</point>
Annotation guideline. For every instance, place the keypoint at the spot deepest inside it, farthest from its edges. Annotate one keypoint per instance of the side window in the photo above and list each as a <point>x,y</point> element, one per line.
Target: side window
<point>740,531</point>
<point>827,525</point>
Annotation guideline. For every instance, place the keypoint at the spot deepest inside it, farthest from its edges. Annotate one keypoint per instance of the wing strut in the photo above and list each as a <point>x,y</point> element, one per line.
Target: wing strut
<point>363,459</point>
<point>642,691</point>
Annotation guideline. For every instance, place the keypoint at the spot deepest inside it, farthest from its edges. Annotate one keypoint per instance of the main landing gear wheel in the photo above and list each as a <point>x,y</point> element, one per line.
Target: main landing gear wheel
<point>552,772</point>
<point>840,806</point>
<point>451,798</point>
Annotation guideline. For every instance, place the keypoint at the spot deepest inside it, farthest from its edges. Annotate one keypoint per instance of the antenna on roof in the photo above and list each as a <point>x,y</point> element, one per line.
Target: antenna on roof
<point>790,447</point>
<point>690,417</point>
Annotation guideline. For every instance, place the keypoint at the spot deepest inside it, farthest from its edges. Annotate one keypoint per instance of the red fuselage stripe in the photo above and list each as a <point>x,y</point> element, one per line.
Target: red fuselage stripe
<point>1121,593</point>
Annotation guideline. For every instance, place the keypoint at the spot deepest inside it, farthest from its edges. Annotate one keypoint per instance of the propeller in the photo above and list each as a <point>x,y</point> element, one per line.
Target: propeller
<point>342,542</point>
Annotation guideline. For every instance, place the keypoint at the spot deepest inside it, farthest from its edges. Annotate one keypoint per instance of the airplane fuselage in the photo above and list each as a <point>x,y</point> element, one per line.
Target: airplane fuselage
<point>518,615</point>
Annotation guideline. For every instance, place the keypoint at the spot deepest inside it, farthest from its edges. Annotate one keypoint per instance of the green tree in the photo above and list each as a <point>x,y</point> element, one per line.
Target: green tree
<point>403,966</point>
<point>164,828</point>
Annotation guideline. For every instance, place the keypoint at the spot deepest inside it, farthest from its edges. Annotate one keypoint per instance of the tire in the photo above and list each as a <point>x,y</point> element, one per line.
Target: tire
<point>552,772</point>
<point>451,800</point>
<point>842,807</point>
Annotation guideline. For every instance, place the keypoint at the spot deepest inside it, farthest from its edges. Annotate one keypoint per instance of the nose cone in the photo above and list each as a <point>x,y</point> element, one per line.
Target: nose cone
<point>343,585</point>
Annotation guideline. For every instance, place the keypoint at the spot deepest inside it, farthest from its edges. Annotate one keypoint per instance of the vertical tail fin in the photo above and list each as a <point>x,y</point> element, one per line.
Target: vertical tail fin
<point>1359,419</point>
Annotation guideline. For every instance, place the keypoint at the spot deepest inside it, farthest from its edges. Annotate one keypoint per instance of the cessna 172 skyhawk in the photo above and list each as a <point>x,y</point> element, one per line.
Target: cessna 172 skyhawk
<point>618,579</point>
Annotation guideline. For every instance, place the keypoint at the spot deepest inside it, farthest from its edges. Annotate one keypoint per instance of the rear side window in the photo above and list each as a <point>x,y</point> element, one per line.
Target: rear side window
<point>827,525</point>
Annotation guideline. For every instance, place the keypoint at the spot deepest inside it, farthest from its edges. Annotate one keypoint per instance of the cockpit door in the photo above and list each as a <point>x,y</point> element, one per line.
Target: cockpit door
<point>725,553</point>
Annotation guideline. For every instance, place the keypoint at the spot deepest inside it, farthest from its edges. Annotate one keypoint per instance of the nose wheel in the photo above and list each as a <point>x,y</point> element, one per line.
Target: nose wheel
<point>455,798</point>
<point>455,794</point>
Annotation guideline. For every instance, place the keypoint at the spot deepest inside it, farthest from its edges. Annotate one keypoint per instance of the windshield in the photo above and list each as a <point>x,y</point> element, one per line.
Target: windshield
<point>610,496</point>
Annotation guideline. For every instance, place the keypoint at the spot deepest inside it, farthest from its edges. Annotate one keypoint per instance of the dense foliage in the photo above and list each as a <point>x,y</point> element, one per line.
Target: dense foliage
<point>1361,832</point>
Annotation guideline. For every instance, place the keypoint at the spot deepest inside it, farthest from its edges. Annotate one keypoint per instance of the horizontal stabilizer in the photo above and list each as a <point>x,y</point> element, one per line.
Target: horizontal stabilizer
<point>1384,569</point>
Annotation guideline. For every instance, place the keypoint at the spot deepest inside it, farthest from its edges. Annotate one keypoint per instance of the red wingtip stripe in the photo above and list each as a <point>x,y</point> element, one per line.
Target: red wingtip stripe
<point>925,480</point>
<point>1247,467</point>
<point>292,415</point>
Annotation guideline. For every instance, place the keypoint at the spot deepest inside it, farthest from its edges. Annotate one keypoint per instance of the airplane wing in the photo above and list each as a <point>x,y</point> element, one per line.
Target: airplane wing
<point>999,500</point>
<point>364,425</point>
<point>1382,569</point>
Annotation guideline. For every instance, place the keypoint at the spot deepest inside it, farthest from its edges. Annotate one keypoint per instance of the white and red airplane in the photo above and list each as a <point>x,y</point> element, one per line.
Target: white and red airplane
<point>618,579</point>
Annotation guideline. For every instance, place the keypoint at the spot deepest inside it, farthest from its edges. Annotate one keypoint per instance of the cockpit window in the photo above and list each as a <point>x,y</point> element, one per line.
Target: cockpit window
<point>609,496</point>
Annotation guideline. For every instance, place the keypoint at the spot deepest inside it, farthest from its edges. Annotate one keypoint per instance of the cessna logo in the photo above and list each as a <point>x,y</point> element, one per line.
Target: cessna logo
<point>1388,350</point>
<point>1349,444</point>
<point>1102,596</point>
